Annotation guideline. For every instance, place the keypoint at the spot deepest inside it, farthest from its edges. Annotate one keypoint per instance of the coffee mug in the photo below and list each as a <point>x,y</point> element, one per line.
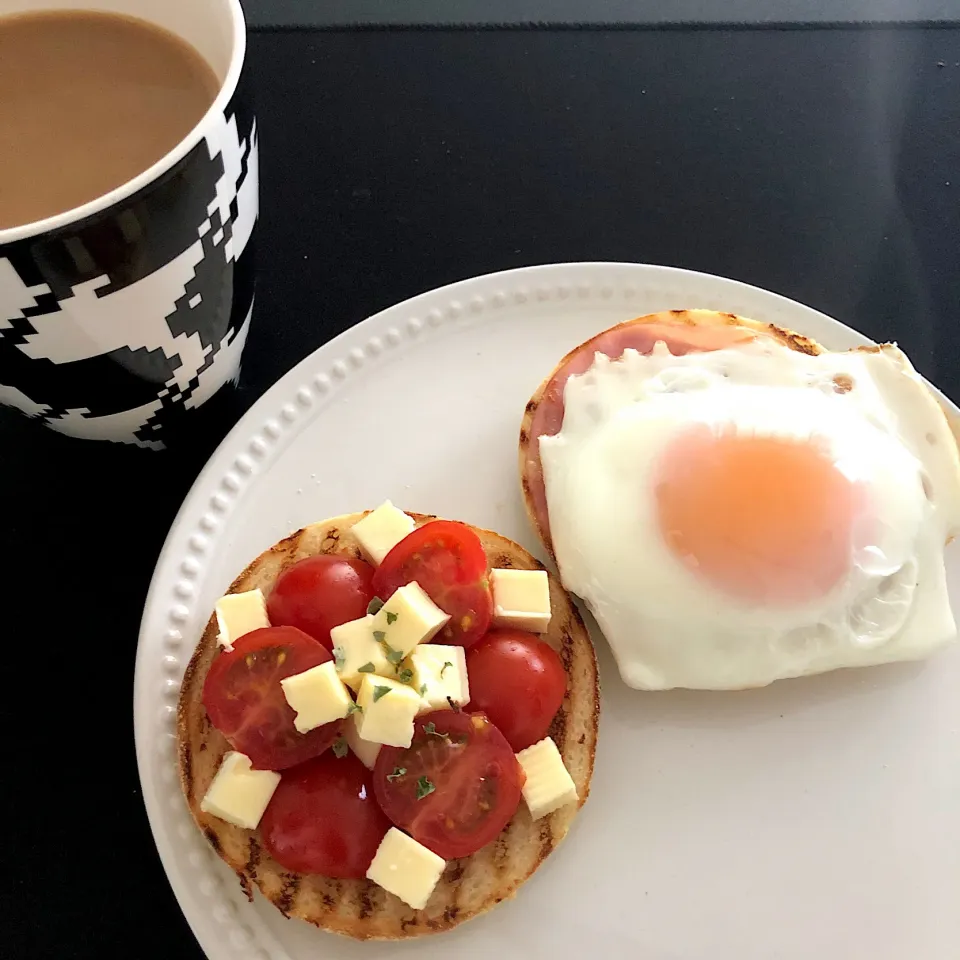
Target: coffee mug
<point>120,316</point>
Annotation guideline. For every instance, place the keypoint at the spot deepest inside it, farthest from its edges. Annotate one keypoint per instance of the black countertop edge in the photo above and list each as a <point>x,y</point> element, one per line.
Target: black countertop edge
<point>330,27</point>
<point>351,14</point>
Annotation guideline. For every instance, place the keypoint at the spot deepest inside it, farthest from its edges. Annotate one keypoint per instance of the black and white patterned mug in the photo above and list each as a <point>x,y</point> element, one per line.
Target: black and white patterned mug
<point>119,317</point>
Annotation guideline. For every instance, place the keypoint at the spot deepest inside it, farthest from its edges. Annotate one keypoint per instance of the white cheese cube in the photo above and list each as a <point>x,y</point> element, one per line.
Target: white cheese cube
<point>405,868</point>
<point>442,671</point>
<point>521,599</point>
<point>387,709</point>
<point>381,530</point>
<point>238,793</point>
<point>366,750</point>
<point>240,613</point>
<point>549,785</point>
<point>356,652</point>
<point>317,695</point>
<point>408,617</point>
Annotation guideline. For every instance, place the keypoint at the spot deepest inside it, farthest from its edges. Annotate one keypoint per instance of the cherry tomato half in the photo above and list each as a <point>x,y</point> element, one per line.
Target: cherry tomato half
<point>455,787</point>
<point>323,818</point>
<point>447,559</point>
<point>319,593</point>
<point>245,702</point>
<point>519,682</point>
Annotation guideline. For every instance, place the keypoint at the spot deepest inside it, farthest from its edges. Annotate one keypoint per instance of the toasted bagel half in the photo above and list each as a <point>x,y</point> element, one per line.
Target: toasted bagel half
<point>469,886</point>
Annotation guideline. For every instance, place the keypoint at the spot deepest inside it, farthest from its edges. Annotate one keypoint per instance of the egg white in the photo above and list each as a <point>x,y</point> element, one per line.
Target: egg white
<point>670,628</point>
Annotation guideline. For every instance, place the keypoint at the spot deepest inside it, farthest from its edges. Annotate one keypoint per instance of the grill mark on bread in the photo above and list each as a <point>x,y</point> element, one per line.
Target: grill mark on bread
<point>531,406</point>
<point>330,543</point>
<point>546,837</point>
<point>253,859</point>
<point>501,851</point>
<point>186,769</point>
<point>558,729</point>
<point>365,903</point>
<point>213,840</point>
<point>291,884</point>
<point>794,340</point>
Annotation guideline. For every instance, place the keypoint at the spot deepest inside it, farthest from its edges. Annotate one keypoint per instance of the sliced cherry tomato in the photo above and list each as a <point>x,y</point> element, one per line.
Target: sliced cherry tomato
<point>518,681</point>
<point>447,559</point>
<point>323,818</point>
<point>455,787</point>
<point>319,593</point>
<point>245,702</point>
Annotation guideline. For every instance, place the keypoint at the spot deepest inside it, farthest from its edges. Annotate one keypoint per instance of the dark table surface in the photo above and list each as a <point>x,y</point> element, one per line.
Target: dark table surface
<point>820,163</point>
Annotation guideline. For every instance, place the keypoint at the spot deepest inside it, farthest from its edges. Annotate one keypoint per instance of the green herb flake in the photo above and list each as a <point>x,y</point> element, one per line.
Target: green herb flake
<point>379,636</point>
<point>398,772</point>
<point>424,788</point>
<point>454,706</point>
<point>423,689</point>
<point>354,708</point>
<point>430,729</point>
<point>367,668</point>
<point>339,658</point>
<point>394,656</point>
<point>405,675</point>
<point>391,617</point>
<point>443,669</point>
<point>380,692</point>
<point>374,606</point>
<point>340,747</point>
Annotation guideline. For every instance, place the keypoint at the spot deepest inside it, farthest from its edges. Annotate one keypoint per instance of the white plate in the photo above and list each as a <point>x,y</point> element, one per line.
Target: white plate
<point>814,818</point>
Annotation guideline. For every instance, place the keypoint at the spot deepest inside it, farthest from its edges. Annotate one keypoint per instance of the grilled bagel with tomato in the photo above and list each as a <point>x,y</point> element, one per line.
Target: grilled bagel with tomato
<point>357,907</point>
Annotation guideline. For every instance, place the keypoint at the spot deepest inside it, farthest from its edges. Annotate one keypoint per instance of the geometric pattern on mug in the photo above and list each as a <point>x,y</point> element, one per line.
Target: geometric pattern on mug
<point>120,355</point>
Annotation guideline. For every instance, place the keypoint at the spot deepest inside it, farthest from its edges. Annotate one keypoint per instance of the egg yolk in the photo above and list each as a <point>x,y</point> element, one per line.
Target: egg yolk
<point>768,520</point>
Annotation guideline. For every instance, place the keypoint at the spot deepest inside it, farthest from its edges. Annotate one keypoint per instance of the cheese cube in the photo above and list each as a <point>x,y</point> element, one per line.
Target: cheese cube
<point>405,868</point>
<point>387,711</point>
<point>549,785</point>
<point>366,750</point>
<point>521,599</point>
<point>238,793</point>
<point>240,613</point>
<point>354,647</point>
<point>317,695</point>
<point>408,617</point>
<point>442,671</point>
<point>381,530</point>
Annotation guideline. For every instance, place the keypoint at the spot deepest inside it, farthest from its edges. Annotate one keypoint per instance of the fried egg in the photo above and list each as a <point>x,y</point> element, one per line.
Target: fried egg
<point>755,513</point>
